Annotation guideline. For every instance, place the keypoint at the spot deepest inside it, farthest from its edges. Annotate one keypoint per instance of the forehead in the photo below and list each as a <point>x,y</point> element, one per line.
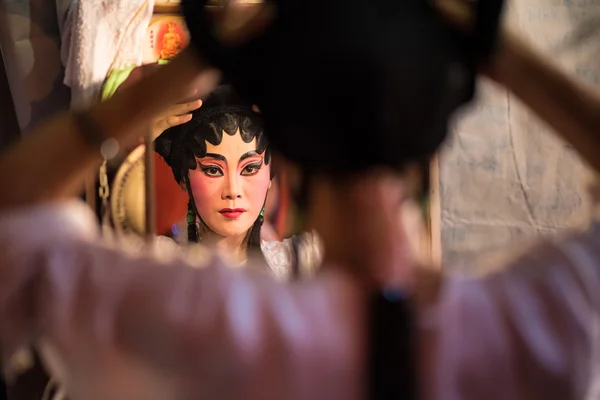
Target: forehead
<point>231,146</point>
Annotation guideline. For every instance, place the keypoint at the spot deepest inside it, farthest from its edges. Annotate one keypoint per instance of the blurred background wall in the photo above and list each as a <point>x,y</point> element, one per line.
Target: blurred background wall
<point>503,178</point>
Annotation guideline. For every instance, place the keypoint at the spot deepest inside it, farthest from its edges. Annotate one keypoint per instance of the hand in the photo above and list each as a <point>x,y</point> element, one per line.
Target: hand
<point>460,13</point>
<point>176,115</point>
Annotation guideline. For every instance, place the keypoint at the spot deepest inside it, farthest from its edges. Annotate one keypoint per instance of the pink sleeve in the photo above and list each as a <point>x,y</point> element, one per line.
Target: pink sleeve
<point>549,302</point>
<point>101,314</point>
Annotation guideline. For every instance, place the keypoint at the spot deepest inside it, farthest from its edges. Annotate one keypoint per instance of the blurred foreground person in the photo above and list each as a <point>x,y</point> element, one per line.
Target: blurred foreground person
<point>115,325</point>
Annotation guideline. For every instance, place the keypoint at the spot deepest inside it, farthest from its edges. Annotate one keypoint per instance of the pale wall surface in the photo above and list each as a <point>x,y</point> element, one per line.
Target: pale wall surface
<point>503,177</point>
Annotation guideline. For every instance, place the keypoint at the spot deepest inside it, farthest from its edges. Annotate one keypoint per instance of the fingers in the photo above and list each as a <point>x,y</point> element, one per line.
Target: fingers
<point>178,120</point>
<point>165,123</point>
<point>184,108</point>
<point>176,115</point>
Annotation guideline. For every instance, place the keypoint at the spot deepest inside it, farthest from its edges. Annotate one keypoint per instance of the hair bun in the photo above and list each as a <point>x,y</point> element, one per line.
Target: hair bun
<point>343,88</point>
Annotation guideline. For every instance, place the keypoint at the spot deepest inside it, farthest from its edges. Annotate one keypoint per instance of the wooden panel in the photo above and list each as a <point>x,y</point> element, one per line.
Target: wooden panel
<point>173,6</point>
<point>435,219</point>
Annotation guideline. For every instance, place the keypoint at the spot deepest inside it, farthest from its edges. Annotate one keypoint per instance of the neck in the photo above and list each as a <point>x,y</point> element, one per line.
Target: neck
<point>327,215</point>
<point>362,226</point>
<point>233,248</point>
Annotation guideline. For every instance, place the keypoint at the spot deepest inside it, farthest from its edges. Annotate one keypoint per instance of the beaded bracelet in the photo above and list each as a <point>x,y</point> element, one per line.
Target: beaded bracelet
<point>94,136</point>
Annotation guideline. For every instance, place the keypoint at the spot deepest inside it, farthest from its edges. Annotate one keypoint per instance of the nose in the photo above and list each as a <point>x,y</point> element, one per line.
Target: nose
<point>232,190</point>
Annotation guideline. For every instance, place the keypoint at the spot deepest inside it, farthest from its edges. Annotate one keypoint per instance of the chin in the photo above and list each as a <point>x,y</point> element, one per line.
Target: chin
<point>232,232</point>
<point>231,228</point>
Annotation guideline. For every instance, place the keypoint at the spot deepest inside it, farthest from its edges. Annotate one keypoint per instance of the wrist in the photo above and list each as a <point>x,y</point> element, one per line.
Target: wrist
<point>94,135</point>
<point>509,64</point>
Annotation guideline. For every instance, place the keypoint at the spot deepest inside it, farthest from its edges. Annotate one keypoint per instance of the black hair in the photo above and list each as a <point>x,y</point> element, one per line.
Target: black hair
<point>222,111</point>
<point>376,82</point>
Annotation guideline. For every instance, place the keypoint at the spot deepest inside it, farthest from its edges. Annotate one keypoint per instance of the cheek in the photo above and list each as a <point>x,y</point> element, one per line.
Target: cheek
<point>205,190</point>
<point>256,189</point>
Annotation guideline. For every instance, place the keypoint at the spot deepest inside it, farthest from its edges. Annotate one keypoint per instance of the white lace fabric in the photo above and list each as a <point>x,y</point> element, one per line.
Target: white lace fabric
<point>280,256</point>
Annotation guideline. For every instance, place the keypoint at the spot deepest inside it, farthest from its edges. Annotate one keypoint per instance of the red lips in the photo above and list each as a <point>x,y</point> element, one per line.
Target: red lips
<point>232,213</point>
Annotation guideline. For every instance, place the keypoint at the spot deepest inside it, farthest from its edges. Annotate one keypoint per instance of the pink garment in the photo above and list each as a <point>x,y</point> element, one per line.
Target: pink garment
<point>116,325</point>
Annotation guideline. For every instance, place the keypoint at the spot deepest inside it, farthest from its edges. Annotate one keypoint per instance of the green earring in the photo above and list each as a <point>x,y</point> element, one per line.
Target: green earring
<point>262,213</point>
<point>191,217</point>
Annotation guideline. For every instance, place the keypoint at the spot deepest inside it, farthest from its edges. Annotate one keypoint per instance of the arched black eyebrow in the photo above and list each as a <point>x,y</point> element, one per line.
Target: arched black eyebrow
<point>222,158</point>
<point>216,156</point>
<point>248,155</point>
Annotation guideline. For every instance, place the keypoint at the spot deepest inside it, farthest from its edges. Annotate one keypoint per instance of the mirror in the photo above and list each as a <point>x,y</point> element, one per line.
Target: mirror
<point>239,200</point>
<point>238,203</point>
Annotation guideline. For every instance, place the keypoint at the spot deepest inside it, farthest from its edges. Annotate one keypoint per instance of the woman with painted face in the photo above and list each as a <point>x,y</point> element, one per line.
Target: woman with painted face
<point>221,158</point>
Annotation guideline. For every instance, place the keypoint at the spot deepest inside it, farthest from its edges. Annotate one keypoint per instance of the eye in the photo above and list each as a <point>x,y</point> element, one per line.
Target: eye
<point>211,170</point>
<point>251,169</point>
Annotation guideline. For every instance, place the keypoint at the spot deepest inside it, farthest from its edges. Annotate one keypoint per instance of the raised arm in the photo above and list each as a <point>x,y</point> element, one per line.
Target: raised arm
<point>53,160</point>
<point>565,104</point>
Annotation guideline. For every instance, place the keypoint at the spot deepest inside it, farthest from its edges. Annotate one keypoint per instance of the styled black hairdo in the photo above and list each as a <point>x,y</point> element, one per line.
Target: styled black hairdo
<point>222,111</point>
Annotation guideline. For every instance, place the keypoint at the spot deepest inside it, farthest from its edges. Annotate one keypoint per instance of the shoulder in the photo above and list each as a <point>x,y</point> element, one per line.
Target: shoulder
<point>537,317</point>
<point>47,223</point>
<point>557,269</point>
